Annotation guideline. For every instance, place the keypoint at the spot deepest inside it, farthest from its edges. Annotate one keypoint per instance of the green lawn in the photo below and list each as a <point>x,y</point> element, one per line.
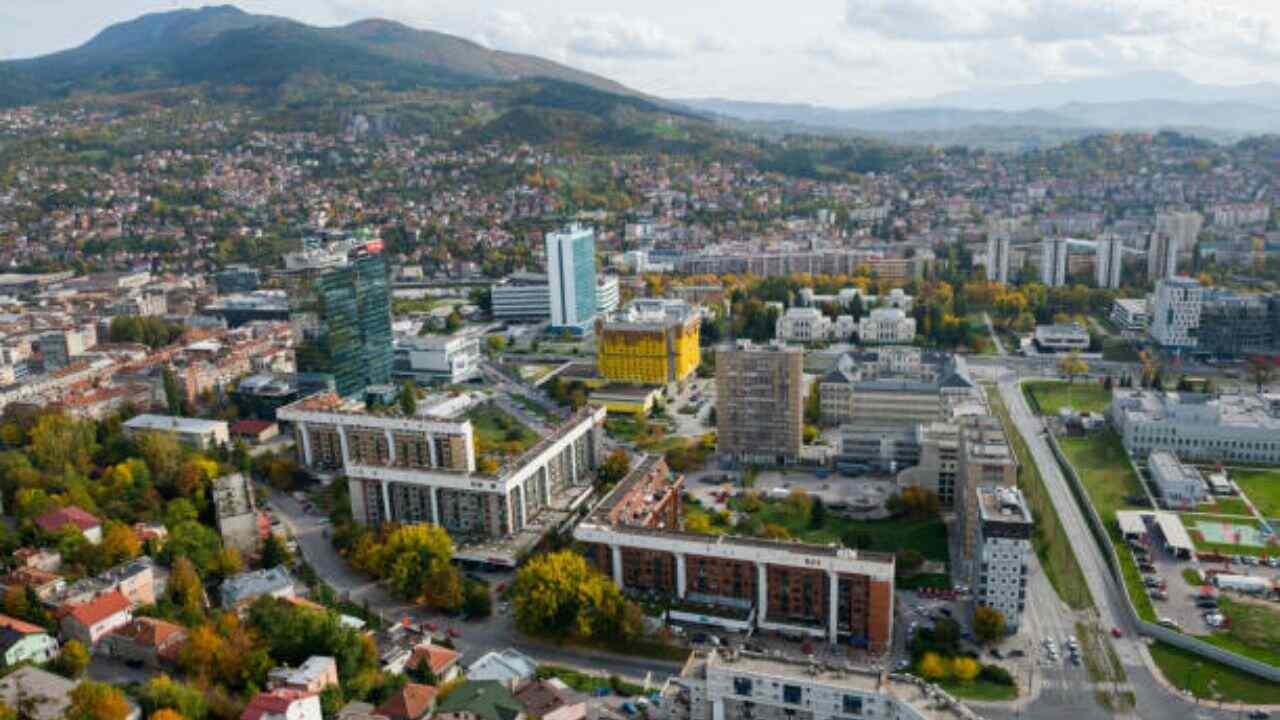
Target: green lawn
<point>1047,397</point>
<point>1224,506</point>
<point>1100,461</point>
<point>496,429</point>
<point>1050,540</point>
<point>1192,672</point>
<point>1254,631</point>
<point>1262,487</point>
<point>1119,350</point>
<point>979,690</point>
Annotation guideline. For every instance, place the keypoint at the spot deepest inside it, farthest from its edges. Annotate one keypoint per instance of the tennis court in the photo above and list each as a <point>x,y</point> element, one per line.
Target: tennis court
<point>1228,533</point>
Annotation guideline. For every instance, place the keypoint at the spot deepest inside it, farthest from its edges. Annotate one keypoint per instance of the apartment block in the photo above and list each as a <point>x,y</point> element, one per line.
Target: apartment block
<point>1109,262</point>
<point>1053,261</point>
<point>760,402</point>
<point>819,591</point>
<point>998,257</point>
<point>1175,316</point>
<point>651,342</point>
<point>1003,538</point>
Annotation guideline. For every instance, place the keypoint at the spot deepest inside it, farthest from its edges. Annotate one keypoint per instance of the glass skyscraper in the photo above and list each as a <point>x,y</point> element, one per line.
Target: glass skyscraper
<point>346,332</point>
<point>571,274</point>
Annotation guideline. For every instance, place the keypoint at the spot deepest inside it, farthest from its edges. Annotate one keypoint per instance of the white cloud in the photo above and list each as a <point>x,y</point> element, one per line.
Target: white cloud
<point>1032,20</point>
<point>618,37</point>
<point>842,51</point>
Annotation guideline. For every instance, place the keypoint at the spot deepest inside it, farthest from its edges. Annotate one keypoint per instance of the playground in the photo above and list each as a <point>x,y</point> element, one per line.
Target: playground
<point>1228,532</point>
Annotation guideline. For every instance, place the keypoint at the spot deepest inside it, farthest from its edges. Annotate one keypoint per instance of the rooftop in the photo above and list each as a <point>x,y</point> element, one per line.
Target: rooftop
<point>1003,504</point>
<point>175,424</point>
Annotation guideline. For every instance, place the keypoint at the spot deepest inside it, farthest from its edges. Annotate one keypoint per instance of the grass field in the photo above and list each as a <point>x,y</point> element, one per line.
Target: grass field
<point>1047,397</point>
<point>979,690</point>
<point>1254,631</point>
<point>1203,677</point>
<point>1100,461</point>
<point>497,431</point>
<point>1224,506</point>
<point>1050,540</point>
<point>1262,487</point>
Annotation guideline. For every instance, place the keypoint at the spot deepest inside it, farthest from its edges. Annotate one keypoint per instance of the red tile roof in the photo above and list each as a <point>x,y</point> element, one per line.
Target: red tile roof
<point>439,657</point>
<point>25,628</point>
<point>150,632</point>
<point>70,515</point>
<point>100,608</point>
<point>275,702</point>
<point>409,702</point>
<point>249,427</point>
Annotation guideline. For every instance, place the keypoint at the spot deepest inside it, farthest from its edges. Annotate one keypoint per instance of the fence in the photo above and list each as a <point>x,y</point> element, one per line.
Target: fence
<point>1163,634</point>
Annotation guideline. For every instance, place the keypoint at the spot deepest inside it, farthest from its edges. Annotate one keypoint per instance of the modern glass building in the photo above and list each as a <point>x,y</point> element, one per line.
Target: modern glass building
<point>571,273</point>
<point>345,319</point>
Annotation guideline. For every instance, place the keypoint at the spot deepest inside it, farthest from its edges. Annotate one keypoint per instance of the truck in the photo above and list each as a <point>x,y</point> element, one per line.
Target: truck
<point>1241,583</point>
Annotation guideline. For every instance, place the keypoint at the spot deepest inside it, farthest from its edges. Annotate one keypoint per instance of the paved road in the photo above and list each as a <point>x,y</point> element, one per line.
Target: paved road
<point>995,338</point>
<point>1154,701</point>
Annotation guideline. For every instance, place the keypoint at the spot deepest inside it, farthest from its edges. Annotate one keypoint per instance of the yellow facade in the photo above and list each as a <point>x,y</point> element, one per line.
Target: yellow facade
<point>654,356</point>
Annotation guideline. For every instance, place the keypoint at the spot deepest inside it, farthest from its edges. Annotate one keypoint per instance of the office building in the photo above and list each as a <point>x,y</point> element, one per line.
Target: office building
<point>651,342</point>
<point>571,275</point>
<point>1109,262</point>
<point>344,318</point>
<point>798,589</point>
<point>60,347</point>
<point>237,279</point>
<point>424,469</point>
<point>241,309</point>
<point>803,325</point>
<point>608,294</point>
<point>1175,316</point>
<point>193,432</point>
<point>897,387</point>
<point>886,326</point>
<point>1234,325</point>
<point>1053,261</point>
<point>1131,316</point>
<point>760,402</point>
<point>739,685</point>
<point>522,297</point>
<point>1063,337</point>
<point>1003,540</point>
<point>1197,427</point>
<point>449,359</point>
<point>998,258</point>
<point>1181,487</point>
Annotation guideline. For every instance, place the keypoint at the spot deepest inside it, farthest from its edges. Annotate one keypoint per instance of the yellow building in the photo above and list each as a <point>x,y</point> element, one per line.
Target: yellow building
<point>651,342</point>
<point>626,400</point>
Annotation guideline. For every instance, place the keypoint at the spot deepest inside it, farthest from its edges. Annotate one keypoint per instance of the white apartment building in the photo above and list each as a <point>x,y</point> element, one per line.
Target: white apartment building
<point>1109,262</point>
<point>1194,426</point>
<point>998,258</point>
<point>1053,261</point>
<point>1004,552</point>
<point>1175,315</point>
<point>1131,316</point>
<point>886,326</point>
<point>449,359</point>
<point>608,294</point>
<point>803,325</point>
<point>1181,486</point>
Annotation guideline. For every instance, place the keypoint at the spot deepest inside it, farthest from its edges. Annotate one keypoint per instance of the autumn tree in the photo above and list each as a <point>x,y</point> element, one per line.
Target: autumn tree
<point>1072,365</point>
<point>274,552</point>
<point>560,594</point>
<point>162,694</point>
<point>185,590</point>
<point>73,659</point>
<point>932,666</point>
<point>988,624</point>
<point>97,701</point>
<point>59,442</point>
<point>119,544</point>
<point>615,467</point>
<point>163,455</point>
<point>417,562</point>
<point>167,714</point>
<point>965,669</point>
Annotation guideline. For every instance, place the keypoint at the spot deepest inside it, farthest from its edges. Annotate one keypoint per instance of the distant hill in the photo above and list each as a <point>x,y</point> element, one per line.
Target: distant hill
<point>226,46</point>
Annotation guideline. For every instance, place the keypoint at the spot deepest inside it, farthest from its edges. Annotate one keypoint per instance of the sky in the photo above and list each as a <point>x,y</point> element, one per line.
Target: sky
<point>842,53</point>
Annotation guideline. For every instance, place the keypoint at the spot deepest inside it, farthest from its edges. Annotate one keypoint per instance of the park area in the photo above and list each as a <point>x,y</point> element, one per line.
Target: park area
<point>803,519</point>
<point>1207,679</point>
<point>1262,487</point>
<point>1047,397</point>
<point>498,433</point>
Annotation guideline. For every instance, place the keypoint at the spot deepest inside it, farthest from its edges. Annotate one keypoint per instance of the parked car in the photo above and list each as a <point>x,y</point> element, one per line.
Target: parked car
<point>1115,632</point>
<point>1259,715</point>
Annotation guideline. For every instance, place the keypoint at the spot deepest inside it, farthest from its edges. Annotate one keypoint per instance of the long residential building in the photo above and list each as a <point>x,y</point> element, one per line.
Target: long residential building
<point>651,342</point>
<point>1196,426</point>
<point>760,393</point>
<point>423,469</point>
<point>821,591</point>
<point>896,270</point>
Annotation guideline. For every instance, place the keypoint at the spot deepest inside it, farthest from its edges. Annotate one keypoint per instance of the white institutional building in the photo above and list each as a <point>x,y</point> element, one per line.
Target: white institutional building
<point>889,326</point>
<point>1199,427</point>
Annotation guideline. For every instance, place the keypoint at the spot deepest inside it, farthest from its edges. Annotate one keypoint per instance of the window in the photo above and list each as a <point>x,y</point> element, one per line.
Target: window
<point>852,705</point>
<point>791,694</point>
<point>742,686</point>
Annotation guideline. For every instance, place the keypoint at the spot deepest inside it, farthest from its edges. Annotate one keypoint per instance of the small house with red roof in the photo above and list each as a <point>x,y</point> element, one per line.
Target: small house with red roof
<point>22,641</point>
<point>254,431</point>
<point>89,622</point>
<point>55,520</point>
<point>411,702</point>
<point>150,641</point>
<point>442,661</point>
<point>283,704</point>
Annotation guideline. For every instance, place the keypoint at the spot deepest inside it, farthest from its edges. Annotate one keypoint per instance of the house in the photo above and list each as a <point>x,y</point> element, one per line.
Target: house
<point>508,667</point>
<point>480,700</point>
<point>356,710</point>
<point>89,622</point>
<point>411,702</point>
<point>43,695</point>
<point>21,641</point>
<point>134,579</point>
<point>551,699</point>
<point>442,661</point>
<point>240,591</point>
<point>146,640</point>
<point>254,431</point>
<point>44,584</point>
<point>155,533</point>
<point>55,520</point>
<point>46,559</point>
<point>315,674</point>
<point>283,704</point>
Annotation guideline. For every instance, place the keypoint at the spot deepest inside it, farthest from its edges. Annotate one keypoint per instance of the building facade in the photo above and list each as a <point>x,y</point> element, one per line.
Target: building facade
<point>760,392</point>
<point>449,359</point>
<point>1062,337</point>
<point>998,257</point>
<point>892,386</point>
<point>571,274</point>
<point>1109,262</point>
<point>1131,316</point>
<point>803,325</point>
<point>651,342</point>
<point>344,318</point>
<point>886,326</point>
<point>1053,261</point>
<point>1181,487</point>
<point>1175,315</point>
<point>1004,552</point>
<point>1199,427</point>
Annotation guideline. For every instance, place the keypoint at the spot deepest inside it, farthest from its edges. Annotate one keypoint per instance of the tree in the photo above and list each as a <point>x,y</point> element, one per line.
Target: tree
<point>813,405</point>
<point>196,542</point>
<point>909,561</point>
<point>274,552</point>
<point>97,701</point>
<point>1260,370</point>
<point>1073,366</point>
<point>800,503</point>
<point>416,560</point>
<point>162,693</point>
<point>615,467</point>
<point>560,594</point>
<point>408,399</point>
<point>932,666</point>
<point>965,669</point>
<point>185,590</point>
<point>172,395</point>
<point>495,344</point>
<point>58,441</point>
<point>163,455</point>
<point>476,600</point>
<point>818,513</point>
<point>988,624</point>
<point>167,714</point>
<point>119,544</point>
<point>73,660</point>
<point>774,531</point>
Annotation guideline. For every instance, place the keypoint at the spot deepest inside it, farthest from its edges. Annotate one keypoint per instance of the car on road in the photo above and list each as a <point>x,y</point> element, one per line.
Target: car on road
<point>1259,715</point>
<point>1158,594</point>
<point>995,653</point>
<point>1115,632</point>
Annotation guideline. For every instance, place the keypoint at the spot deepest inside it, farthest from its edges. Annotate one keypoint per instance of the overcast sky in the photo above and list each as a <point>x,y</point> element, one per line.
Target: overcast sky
<point>832,52</point>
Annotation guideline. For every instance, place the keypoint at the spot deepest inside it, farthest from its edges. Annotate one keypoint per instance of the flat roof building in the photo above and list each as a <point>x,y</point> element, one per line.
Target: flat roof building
<point>1003,540</point>
<point>1062,338</point>
<point>760,392</point>
<point>192,432</point>
<point>650,342</point>
<point>1180,486</point>
<point>1196,426</point>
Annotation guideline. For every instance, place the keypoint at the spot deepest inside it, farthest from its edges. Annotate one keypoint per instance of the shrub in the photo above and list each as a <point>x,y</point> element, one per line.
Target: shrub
<point>996,675</point>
